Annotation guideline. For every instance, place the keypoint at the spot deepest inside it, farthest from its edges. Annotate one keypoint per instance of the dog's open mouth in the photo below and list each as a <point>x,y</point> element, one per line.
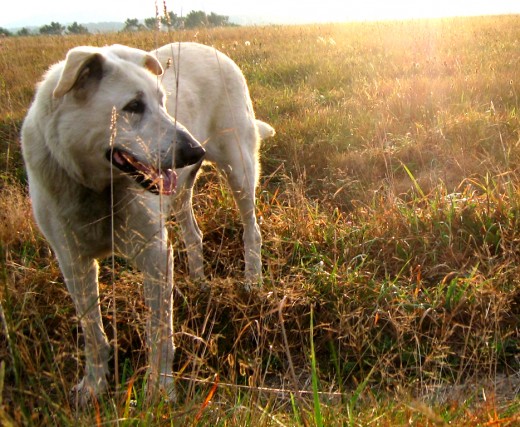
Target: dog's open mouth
<point>157,181</point>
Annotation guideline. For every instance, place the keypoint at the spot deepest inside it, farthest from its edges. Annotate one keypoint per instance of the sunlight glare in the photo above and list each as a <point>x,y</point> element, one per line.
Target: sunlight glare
<point>373,10</point>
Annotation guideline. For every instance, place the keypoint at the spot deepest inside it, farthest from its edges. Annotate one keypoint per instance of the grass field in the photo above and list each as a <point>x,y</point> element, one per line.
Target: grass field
<point>390,200</point>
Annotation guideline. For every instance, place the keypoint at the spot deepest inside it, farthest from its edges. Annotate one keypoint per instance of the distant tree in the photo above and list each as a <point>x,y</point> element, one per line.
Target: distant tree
<point>196,19</point>
<point>5,33</point>
<point>23,32</point>
<point>215,20</point>
<point>172,20</point>
<point>133,25</point>
<point>169,21</point>
<point>150,23</point>
<point>201,19</point>
<point>76,28</point>
<point>55,28</point>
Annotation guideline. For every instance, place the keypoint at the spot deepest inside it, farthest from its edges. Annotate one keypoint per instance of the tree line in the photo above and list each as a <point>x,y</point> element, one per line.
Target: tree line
<point>194,19</point>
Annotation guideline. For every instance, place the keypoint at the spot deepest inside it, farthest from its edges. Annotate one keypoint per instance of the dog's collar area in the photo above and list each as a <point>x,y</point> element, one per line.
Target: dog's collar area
<point>156,181</point>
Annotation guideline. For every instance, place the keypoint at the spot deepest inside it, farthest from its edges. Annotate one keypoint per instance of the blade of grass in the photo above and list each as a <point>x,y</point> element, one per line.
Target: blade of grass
<point>414,181</point>
<point>318,418</point>
<point>207,400</point>
<point>355,397</point>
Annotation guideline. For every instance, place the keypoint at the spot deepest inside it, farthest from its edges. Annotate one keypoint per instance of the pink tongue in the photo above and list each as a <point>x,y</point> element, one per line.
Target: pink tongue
<point>168,179</point>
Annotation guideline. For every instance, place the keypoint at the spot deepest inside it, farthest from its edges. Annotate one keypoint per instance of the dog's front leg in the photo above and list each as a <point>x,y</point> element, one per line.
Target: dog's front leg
<point>190,231</point>
<point>158,293</point>
<point>153,256</point>
<point>142,237</point>
<point>159,296</point>
<point>81,278</point>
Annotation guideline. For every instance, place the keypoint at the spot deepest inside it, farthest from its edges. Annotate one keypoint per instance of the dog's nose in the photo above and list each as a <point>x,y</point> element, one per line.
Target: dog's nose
<point>188,150</point>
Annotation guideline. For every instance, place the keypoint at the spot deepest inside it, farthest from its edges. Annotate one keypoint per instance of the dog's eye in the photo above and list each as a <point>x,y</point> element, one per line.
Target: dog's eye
<point>136,106</point>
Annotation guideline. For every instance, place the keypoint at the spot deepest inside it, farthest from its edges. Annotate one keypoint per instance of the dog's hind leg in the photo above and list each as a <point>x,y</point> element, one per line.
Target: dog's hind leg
<point>244,194</point>
<point>81,277</point>
<point>241,170</point>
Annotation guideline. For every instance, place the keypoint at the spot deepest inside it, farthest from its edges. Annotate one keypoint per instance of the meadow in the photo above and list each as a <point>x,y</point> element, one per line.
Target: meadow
<point>390,205</point>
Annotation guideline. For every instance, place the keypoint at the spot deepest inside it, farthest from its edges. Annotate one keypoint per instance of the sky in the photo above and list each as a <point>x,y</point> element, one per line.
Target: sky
<point>26,13</point>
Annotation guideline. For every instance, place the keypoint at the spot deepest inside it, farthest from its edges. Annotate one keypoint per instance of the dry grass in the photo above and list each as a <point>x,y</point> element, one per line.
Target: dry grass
<point>390,200</point>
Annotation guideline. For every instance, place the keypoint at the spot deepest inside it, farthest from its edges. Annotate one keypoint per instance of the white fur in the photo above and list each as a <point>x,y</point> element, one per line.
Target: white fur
<point>213,102</point>
<point>86,207</point>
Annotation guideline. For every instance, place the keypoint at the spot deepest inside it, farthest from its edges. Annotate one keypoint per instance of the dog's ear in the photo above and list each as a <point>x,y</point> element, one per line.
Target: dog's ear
<point>83,68</point>
<point>139,57</point>
<point>153,64</point>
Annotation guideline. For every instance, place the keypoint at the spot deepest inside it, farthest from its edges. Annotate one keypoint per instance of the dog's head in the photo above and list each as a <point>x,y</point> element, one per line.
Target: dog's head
<point>110,111</point>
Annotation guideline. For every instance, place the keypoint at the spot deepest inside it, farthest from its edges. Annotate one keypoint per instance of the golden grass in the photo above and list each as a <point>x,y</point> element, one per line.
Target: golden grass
<point>390,200</point>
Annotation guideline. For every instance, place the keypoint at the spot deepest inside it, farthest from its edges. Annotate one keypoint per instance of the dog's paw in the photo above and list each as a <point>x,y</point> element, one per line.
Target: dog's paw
<point>83,394</point>
<point>162,388</point>
<point>252,281</point>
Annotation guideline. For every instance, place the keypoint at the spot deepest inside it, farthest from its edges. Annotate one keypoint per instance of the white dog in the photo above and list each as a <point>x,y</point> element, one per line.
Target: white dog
<point>100,146</point>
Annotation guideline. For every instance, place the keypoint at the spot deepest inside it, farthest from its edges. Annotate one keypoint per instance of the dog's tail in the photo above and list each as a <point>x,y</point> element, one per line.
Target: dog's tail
<point>264,130</point>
